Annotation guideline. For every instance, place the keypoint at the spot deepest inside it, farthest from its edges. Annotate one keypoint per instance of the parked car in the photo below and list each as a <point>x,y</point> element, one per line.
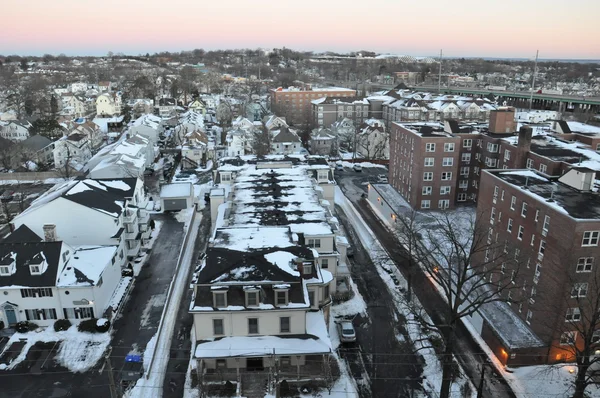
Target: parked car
<point>339,167</point>
<point>347,333</point>
<point>357,167</point>
<point>7,196</point>
<point>382,178</point>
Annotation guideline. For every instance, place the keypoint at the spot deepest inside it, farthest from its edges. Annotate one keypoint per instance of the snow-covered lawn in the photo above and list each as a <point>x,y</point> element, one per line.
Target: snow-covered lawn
<point>432,367</point>
<point>356,305</point>
<point>78,352</point>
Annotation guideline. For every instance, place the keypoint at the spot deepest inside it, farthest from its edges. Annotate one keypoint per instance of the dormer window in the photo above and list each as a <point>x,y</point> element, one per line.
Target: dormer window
<point>281,294</point>
<point>225,177</point>
<point>35,269</point>
<point>307,268</point>
<point>252,297</point>
<point>4,270</point>
<point>220,299</point>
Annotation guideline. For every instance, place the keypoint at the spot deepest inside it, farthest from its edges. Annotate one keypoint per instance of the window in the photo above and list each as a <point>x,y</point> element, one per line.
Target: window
<point>567,338</point>
<point>464,171</point>
<point>502,197</point>
<point>311,297</point>
<point>427,190</point>
<point>537,215</point>
<point>252,325</point>
<point>573,315</point>
<point>281,297</point>
<point>533,294</point>
<point>428,176</point>
<point>443,204</point>
<point>285,361</point>
<point>326,293</point>
<point>220,299</point>
<point>543,168</point>
<point>462,197</point>
<point>467,143</point>
<point>513,276</point>
<point>510,224</point>
<point>528,317</point>
<point>513,202</point>
<point>218,327</point>
<point>465,157</point>
<point>596,334</point>
<point>425,204</point>
<point>307,268</point>
<point>429,162</point>
<point>532,240</point>
<point>463,184</point>
<point>447,161</point>
<point>40,292</point>
<point>520,233</point>
<point>314,243</point>
<point>546,225</point>
<point>445,190</point>
<point>251,299</point>
<point>446,176</point>
<point>284,324</point>
<point>47,313</point>
<point>579,290</point>
<point>4,270</point>
<point>529,164</point>
<point>590,238</point>
<point>492,147</point>
<point>225,177</point>
<point>429,147</point>
<point>542,248</point>
<point>585,264</point>
<point>506,154</point>
<point>449,147</point>
<point>490,162</point>
<point>35,269</point>
<point>324,263</point>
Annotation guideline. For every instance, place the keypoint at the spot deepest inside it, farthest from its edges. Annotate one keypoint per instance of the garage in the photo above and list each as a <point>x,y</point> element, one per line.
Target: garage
<point>178,196</point>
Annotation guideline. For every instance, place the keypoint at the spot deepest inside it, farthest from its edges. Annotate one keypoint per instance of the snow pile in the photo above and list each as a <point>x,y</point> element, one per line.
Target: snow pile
<point>101,322</point>
<point>149,352</point>
<point>184,216</point>
<point>363,164</point>
<point>356,305</point>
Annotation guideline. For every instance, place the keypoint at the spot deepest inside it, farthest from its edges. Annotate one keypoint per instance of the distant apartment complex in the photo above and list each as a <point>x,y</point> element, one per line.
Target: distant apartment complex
<point>326,111</point>
<point>294,103</point>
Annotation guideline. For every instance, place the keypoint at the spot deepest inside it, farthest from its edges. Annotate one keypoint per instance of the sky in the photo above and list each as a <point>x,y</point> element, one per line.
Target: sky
<point>482,28</point>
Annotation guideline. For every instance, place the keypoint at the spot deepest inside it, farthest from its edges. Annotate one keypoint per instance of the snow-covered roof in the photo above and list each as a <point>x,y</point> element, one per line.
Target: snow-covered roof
<point>86,265</point>
<point>314,341</point>
<point>178,190</point>
<point>247,238</point>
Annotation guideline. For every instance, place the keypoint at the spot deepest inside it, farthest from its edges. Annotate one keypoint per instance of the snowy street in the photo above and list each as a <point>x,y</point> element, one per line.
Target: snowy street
<point>471,355</point>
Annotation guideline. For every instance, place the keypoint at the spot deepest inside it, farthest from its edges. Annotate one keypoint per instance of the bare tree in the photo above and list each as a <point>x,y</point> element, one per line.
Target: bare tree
<point>261,142</point>
<point>65,170</point>
<point>470,269</point>
<point>575,320</point>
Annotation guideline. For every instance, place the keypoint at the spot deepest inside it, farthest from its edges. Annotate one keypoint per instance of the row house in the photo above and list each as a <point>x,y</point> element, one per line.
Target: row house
<point>45,279</point>
<point>269,271</point>
<point>127,158</point>
<point>550,225</point>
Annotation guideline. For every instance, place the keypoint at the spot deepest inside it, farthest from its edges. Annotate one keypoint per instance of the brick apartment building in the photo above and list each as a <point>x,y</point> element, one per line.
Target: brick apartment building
<point>552,225</point>
<point>326,111</point>
<point>294,103</point>
<point>419,149</point>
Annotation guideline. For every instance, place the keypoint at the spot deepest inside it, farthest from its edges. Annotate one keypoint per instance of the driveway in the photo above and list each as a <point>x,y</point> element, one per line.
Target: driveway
<point>133,329</point>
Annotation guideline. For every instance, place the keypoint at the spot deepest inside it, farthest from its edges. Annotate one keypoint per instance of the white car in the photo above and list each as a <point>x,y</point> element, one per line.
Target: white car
<point>357,167</point>
<point>382,178</point>
<point>347,333</point>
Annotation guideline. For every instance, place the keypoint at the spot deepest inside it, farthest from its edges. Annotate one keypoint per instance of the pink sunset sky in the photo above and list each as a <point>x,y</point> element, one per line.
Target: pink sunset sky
<point>487,28</point>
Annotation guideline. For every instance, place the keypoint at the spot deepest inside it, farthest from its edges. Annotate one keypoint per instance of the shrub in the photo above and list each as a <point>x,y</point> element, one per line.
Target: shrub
<point>88,325</point>
<point>102,325</point>
<point>25,326</point>
<point>285,390</point>
<point>62,325</point>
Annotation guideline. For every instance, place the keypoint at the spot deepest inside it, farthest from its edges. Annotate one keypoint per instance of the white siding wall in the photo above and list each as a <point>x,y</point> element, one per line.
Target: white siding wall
<point>236,322</point>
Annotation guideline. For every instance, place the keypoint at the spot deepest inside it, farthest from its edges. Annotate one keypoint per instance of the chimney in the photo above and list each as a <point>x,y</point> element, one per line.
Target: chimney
<point>523,147</point>
<point>50,233</point>
<point>502,120</point>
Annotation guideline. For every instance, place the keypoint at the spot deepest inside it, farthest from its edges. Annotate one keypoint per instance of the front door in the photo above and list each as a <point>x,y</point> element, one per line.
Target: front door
<point>11,316</point>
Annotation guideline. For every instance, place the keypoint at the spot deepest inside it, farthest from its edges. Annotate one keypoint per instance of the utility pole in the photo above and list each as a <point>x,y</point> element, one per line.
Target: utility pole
<point>111,376</point>
<point>440,75</point>
<point>533,80</point>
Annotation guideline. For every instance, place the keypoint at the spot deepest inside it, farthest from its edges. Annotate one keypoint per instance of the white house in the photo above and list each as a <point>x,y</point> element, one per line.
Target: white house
<point>47,279</point>
<point>126,158</point>
<point>243,123</point>
<point>373,140</point>
<point>93,212</point>
<point>89,129</point>
<point>197,106</point>
<point>274,122</point>
<point>73,105</point>
<point>194,149</point>
<point>14,130</point>
<point>166,107</point>
<point>285,141</point>
<point>74,149</point>
<point>238,142</point>
<point>108,104</point>
<point>149,126</point>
